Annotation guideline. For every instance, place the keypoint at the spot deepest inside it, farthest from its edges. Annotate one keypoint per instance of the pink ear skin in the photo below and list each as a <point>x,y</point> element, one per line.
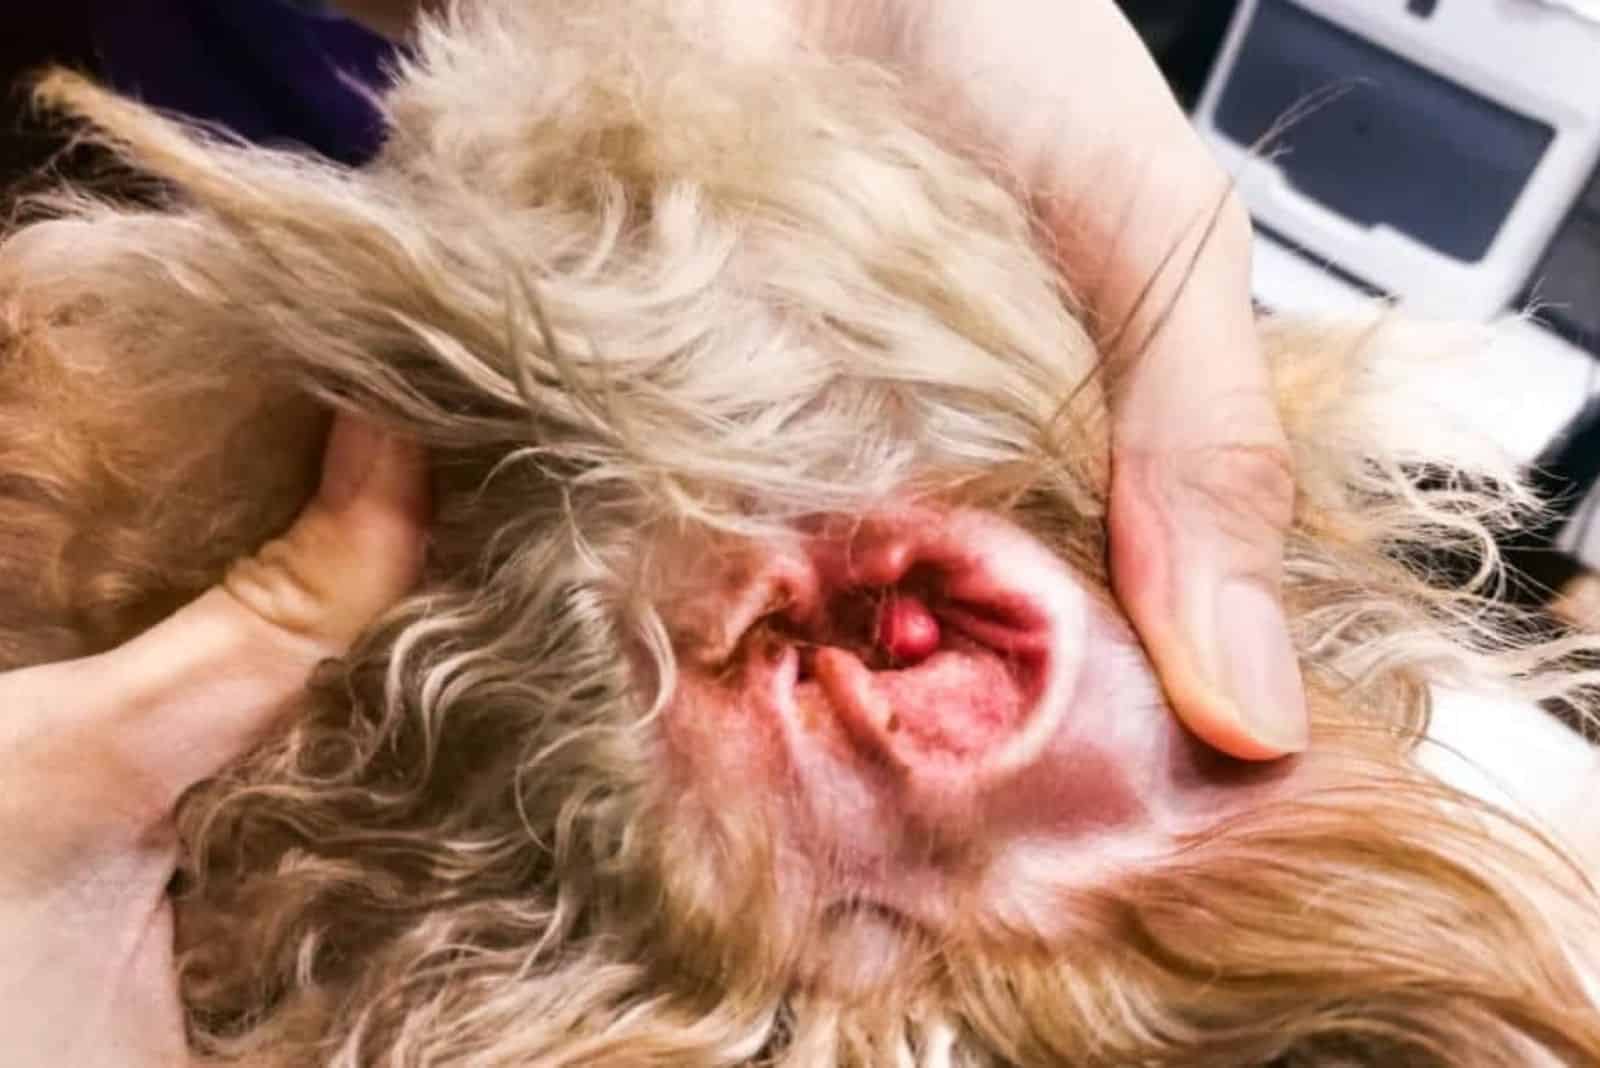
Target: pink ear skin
<point>934,673</point>
<point>923,658</point>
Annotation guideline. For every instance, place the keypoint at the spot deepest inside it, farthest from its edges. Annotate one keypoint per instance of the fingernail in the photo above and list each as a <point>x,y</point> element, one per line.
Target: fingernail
<point>1259,669</point>
<point>353,453</point>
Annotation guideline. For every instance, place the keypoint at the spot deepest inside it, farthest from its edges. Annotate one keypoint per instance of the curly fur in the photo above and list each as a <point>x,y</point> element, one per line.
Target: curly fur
<point>647,274</point>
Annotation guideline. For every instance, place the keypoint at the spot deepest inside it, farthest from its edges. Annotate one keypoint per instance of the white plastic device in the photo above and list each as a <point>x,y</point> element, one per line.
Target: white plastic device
<point>1525,64</point>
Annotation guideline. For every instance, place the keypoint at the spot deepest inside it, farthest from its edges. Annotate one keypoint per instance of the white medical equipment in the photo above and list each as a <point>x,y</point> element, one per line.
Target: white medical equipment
<point>1430,151</point>
<point>1439,143</point>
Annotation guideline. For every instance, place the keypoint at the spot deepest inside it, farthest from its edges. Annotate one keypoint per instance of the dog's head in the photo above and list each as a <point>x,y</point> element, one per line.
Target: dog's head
<point>765,702</point>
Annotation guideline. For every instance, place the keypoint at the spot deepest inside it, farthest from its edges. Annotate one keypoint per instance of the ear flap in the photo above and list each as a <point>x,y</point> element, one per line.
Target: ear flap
<point>1393,566</point>
<point>1381,385</point>
<point>324,261</point>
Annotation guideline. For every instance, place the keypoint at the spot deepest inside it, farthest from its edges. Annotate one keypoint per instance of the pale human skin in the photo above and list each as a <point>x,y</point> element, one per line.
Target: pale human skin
<point>1151,236</point>
<point>97,751</point>
<point>1202,488</point>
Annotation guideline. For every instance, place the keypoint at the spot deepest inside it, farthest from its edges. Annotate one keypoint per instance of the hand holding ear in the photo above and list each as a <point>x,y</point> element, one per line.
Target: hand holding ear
<point>94,754</point>
<point>1150,236</point>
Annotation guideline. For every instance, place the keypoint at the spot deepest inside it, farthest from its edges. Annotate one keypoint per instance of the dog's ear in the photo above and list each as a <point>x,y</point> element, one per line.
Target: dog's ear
<point>1365,387</point>
<point>1392,565</point>
<point>138,456</point>
<point>300,270</point>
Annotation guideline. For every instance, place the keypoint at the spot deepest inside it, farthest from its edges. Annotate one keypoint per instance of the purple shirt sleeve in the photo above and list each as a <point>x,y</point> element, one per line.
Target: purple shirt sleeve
<point>269,71</point>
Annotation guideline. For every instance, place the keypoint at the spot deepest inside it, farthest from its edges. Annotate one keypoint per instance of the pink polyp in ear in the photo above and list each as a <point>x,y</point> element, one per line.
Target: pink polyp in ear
<point>906,630</point>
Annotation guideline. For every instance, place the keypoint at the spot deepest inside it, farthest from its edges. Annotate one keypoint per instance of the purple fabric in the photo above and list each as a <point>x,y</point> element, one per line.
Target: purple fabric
<point>268,72</point>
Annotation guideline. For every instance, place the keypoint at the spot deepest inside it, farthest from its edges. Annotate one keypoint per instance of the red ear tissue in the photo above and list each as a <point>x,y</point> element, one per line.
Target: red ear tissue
<point>906,630</point>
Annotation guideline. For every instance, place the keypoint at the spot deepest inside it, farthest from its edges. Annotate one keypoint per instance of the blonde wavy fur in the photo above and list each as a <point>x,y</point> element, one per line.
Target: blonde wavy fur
<point>641,273</point>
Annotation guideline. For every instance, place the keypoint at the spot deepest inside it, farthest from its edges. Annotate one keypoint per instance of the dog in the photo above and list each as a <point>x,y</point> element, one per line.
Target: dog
<point>764,701</point>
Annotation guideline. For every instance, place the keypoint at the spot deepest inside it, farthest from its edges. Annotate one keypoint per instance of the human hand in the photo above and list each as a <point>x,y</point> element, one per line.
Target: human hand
<point>96,752</point>
<point>1149,235</point>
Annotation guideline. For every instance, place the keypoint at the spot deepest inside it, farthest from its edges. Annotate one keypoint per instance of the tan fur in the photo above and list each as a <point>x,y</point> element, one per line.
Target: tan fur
<point>639,276</point>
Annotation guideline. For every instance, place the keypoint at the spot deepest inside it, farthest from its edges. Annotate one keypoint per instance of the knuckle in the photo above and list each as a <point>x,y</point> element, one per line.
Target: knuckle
<point>283,584</point>
<point>329,576</point>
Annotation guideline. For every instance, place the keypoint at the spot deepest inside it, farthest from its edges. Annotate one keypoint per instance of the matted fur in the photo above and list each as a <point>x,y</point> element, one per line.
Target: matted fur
<point>643,275</point>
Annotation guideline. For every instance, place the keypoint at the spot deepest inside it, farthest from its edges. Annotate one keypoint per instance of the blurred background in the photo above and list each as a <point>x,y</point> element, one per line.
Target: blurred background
<point>1439,155</point>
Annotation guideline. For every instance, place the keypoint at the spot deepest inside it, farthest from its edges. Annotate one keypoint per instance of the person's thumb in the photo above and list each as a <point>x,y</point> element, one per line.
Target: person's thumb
<point>1196,548</point>
<point>119,736</point>
<point>354,551</point>
<point>1202,495</point>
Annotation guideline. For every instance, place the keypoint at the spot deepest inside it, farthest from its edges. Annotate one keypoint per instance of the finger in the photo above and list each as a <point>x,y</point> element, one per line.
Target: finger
<point>1201,498</point>
<point>131,729</point>
<point>355,550</point>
